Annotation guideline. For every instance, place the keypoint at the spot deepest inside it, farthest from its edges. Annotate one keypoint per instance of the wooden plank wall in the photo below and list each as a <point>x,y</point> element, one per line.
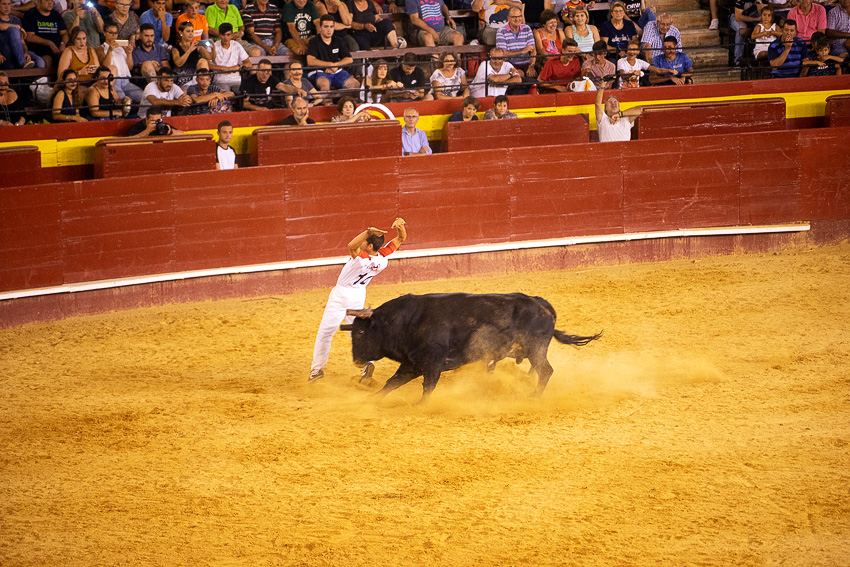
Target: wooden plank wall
<point>530,131</point>
<point>698,119</point>
<point>838,110</point>
<point>93,230</point>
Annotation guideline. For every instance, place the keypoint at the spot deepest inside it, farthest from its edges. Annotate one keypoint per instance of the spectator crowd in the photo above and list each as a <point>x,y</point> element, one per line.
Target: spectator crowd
<point>113,58</point>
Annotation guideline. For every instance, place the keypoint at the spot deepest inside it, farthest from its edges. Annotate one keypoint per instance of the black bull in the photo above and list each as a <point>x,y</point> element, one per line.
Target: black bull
<point>429,334</point>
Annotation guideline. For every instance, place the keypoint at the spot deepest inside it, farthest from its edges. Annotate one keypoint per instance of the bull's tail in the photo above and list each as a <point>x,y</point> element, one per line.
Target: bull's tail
<point>576,340</point>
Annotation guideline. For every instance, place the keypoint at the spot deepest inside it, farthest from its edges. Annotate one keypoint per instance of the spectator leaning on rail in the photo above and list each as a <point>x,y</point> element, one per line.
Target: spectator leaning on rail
<point>810,18</point>
<point>672,62</point>
<point>152,125</point>
<point>300,114</point>
<point>225,156</point>
<point>492,17</point>
<point>786,53</point>
<point>263,90</point>
<point>432,24</point>
<point>559,72</point>
<point>838,28</point>
<point>613,124</point>
<point>449,80</point>
<point>500,110</point>
<point>164,93</point>
<point>517,41</point>
<point>297,85</point>
<point>655,33</point>
<point>208,98</point>
<point>598,66</point>
<point>330,54</point>
<point>493,78</point>
<point>412,79</point>
<point>468,111</point>
<point>819,63</point>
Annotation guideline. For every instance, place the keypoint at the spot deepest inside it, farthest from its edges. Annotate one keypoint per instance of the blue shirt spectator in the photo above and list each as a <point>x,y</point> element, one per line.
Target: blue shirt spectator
<point>786,53</point>
<point>515,38</point>
<point>413,140</point>
<point>154,18</point>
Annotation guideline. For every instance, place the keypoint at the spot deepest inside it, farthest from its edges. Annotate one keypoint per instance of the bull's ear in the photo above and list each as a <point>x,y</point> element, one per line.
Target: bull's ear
<point>359,313</point>
<point>346,327</point>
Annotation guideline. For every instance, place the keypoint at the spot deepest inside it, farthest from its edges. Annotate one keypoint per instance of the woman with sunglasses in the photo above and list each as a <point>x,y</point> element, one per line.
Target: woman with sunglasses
<point>103,99</point>
<point>449,80</point>
<point>12,111</point>
<point>66,99</point>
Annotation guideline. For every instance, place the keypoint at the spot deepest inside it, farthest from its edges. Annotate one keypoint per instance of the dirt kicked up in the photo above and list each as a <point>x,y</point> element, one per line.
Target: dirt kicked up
<point>709,426</point>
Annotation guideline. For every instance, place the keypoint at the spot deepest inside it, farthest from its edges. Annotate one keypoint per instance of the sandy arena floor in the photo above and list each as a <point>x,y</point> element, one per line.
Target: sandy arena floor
<point>709,426</point>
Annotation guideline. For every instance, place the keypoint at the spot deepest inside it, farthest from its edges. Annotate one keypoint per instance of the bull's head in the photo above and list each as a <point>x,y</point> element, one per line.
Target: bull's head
<point>365,336</point>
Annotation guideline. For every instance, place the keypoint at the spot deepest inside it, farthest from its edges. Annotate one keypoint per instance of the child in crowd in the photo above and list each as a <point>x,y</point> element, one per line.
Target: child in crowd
<point>765,33</point>
<point>819,63</point>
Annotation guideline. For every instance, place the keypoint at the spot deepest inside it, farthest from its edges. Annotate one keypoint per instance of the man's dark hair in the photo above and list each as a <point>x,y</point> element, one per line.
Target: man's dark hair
<point>376,240</point>
<point>145,27</point>
<point>154,109</point>
<point>600,47</point>
<point>568,42</point>
<point>264,62</point>
<point>500,99</point>
<point>409,59</point>
<point>671,39</point>
<point>470,100</point>
<point>204,73</point>
<point>326,18</point>
<point>790,22</point>
<point>110,24</point>
<point>225,28</point>
<point>223,124</point>
<point>164,72</point>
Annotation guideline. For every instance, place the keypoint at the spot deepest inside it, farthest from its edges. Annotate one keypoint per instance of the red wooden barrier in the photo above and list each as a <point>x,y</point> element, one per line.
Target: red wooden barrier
<point>325,142</point>
<point>702,118</point>
<point>103,229</point>
<point>838,110</point>
<point>521,133</point>
<point>130,157</point>
<point>20,165</point>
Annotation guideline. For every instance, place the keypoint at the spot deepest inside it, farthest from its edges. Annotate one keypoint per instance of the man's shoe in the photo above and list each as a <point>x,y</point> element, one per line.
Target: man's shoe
<point>29,64</point>
<point>715,24</point>
<point>402,43</point>
<point>366,375</point>
<point>316,374</point>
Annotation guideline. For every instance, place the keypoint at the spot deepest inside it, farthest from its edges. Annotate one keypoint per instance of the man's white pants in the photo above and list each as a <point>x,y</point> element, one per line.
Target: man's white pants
<point>340,299</point>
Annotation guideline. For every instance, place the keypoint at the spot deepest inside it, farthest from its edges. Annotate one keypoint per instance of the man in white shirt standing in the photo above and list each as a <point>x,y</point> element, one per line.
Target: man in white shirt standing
<point>230,57</point>
<point>369,257</point>
<point>225,156</point>
<point>613,124</point>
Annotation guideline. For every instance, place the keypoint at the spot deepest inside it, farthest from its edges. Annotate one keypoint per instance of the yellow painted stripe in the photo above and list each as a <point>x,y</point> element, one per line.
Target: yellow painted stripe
<point>80,151</point>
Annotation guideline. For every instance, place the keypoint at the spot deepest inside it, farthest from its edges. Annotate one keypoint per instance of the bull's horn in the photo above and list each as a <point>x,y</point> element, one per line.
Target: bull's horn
<point>346,327</point>
<point>359,313</point>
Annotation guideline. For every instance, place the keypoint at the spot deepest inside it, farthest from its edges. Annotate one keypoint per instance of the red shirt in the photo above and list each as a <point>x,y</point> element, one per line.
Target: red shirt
<point>808,24</point>
<point>555,71</point>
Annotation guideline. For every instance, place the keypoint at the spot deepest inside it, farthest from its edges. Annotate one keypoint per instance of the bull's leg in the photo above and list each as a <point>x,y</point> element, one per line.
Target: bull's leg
<point>404,374</point>
<point>429,382</point>
<point>540,364</point>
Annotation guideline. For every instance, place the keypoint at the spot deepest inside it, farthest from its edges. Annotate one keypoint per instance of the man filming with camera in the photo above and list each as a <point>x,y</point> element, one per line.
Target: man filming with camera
<point>152,125</point>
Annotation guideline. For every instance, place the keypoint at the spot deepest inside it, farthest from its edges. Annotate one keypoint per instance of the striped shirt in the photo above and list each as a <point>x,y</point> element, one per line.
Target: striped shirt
<point>509,41</point>
<point>653,37</point>
<point>838,20</point>
<point>793,64</point>
<point>264,23</point>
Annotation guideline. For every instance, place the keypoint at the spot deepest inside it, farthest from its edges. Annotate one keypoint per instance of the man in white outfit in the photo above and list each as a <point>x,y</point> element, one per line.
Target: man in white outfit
<point>369,257</point>
<point>612,124</point>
